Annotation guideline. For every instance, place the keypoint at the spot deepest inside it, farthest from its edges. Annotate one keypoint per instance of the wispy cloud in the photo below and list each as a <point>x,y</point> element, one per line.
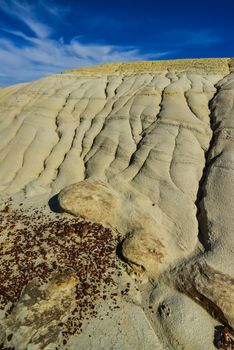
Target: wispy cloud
<point>40,55</point>
<point>46,56</point>
<point>26,13</point>
<point>31,45</point>
<point>55,9</point>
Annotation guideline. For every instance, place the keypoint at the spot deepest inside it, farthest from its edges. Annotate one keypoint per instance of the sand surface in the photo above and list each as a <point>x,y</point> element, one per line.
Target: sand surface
<point>117,206</point>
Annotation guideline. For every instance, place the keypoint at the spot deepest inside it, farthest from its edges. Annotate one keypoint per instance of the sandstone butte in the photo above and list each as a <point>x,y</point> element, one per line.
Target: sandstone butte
<point>117,208</point>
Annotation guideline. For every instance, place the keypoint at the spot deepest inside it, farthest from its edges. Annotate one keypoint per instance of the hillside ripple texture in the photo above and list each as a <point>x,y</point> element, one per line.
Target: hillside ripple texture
<point>146,149</point>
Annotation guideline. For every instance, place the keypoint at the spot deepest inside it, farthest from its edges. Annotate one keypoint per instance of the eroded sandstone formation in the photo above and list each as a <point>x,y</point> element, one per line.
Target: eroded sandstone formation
<point>144,149</point>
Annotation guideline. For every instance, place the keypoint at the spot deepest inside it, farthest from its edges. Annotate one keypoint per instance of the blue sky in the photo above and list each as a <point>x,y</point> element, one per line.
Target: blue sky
<point>39,37</point>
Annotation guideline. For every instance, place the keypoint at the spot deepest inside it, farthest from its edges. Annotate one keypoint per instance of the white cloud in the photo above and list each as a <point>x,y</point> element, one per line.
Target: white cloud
<point>25,13</point>
<point>41,57</point>
<point>55,9</point>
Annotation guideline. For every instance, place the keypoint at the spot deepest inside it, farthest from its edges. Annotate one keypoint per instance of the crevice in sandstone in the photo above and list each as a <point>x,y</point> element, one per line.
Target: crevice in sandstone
<point>146,132</point>
<point>106,88</point>
<point>201,217</point>
<point>210,288</point>
<point>57,116</point>
<point>158,115</point>
<point>59,134</point>
<point>172,158</point>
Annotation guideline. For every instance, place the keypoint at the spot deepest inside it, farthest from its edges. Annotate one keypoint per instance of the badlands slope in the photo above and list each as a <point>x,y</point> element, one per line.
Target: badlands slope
<point>140,157</point>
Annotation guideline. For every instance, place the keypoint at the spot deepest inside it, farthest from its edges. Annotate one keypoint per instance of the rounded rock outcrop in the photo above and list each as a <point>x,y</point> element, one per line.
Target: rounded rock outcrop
<point>91,200</point>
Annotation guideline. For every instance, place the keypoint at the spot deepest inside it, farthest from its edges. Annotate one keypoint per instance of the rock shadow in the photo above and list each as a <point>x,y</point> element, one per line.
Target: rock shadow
<point>119,252</point>
<point>54,204</point>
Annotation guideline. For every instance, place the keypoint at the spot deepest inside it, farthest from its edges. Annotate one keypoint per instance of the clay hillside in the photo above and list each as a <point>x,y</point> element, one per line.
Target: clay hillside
<point>117,208</point>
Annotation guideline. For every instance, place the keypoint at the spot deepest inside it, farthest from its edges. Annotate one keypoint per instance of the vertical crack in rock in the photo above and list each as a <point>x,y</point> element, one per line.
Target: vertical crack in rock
<point>167,173</point>
<point>202,232</point>
<point>209,160</point>
<point>208,277</point>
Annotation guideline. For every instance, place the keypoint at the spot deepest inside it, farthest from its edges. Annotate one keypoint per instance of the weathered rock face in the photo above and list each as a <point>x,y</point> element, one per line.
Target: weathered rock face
<point>145,149</point>
<point>91,200</point>
<point>36,316</point>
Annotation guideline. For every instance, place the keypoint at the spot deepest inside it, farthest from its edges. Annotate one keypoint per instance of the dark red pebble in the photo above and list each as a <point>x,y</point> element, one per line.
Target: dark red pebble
<point>35,236</point>
<point>9,337</point>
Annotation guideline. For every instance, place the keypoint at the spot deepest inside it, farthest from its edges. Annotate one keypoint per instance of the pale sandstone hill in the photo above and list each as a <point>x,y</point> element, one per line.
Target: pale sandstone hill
<point>147,150</point>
